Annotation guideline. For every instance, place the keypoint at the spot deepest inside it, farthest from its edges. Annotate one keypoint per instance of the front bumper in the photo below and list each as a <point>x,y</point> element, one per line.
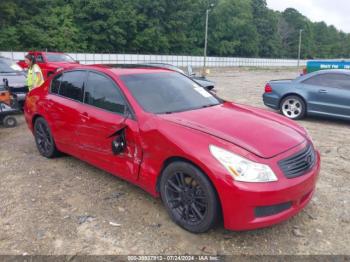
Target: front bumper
<point>249,206</point>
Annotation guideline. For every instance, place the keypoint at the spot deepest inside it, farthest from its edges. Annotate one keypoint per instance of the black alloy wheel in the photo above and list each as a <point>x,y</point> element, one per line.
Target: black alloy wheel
<point>189,197</point>
<point>44,140</point>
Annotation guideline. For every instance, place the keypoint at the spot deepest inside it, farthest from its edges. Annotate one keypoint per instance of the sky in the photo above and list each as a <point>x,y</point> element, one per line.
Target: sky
<point>332,12</point>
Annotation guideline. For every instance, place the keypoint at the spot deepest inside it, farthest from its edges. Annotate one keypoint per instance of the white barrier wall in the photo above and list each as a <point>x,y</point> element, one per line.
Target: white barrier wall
<point>195,61</point>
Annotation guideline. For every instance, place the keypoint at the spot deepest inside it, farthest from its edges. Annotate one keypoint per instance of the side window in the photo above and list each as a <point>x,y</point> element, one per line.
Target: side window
<point>342,81</point>
<point>335,80</point>
<point>72,85</point>
<point>39,59</point>
<point>101,92</point>
<point>319,80</point>
<point>55,84</point>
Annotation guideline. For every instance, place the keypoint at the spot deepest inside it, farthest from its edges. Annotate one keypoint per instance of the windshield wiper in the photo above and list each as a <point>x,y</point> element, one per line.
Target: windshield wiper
<point>188,109</point>
<point>210,105</point>
<point>171,112</point>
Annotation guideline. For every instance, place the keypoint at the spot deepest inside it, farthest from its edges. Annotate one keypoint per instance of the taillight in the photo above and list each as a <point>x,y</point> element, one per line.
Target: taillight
<point>268,88</point>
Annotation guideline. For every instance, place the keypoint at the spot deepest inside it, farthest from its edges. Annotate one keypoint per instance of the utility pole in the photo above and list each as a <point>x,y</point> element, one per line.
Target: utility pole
<point>206,39</point>
<point>299,51</point>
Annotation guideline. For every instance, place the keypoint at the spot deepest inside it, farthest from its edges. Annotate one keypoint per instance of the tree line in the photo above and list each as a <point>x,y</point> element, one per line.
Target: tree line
<point>245,28</point>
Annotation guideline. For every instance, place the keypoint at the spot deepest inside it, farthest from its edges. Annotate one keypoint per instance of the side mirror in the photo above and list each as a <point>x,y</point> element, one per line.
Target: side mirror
<point>119,143</point>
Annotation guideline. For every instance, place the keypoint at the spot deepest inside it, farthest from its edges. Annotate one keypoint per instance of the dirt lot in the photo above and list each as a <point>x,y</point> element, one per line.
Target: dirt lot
<point>65,206</point>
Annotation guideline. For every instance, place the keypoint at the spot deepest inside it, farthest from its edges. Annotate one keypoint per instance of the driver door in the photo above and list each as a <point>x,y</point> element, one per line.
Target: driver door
<point>102,120</point>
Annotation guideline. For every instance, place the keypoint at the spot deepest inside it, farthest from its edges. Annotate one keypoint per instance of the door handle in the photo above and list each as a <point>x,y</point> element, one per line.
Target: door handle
<point>323,91</point>
<point>84,116</point>
<point>49,103</point>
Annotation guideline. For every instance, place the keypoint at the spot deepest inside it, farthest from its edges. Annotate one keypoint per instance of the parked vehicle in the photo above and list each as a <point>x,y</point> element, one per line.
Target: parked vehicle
<point>12,82</point>
<point>50,62</point>
<point>322,93</point>
<point>201,80</point>
<point>316,65</point>
<point>205,157</point>
<point>7,115</point>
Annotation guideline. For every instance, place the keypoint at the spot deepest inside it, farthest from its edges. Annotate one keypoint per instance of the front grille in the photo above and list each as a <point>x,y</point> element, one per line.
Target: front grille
<point>298,164</point>
<point>271,210</point>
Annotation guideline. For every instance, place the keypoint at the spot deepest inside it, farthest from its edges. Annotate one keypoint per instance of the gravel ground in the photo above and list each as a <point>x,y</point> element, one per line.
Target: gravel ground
<point>65,206</point>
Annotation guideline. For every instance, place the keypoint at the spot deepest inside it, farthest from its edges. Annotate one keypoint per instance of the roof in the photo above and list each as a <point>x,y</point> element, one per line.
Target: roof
<point>331,71</point>
<point>36,51</point>
<point>131,71</point>
<point>121,71</point>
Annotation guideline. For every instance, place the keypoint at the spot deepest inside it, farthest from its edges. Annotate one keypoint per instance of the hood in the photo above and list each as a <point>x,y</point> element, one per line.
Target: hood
<point>261,133</point>
<point>58,64</point>
<point>14,79</point>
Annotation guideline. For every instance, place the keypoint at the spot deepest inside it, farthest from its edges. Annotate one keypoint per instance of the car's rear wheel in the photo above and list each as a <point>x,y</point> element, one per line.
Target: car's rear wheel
<point>293,107</point>
<point>189,197</point>
<point>9,121</point>
<point>44,140</point>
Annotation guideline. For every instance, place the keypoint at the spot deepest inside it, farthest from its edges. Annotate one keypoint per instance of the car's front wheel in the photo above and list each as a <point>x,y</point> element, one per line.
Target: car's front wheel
<point>44,140</point>
<point>293,107</point>
<point>189,197</point>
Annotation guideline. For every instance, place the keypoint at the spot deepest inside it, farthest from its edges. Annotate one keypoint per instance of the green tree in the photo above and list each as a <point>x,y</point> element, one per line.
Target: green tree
<point>232,31</point>
<point>236,28</point>
<point>265,21</point>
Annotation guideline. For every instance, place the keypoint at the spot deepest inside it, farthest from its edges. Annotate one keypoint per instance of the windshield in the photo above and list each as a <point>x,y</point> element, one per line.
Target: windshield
<point>59,58</point>
<point>8,66</point>
<point>168,92</point>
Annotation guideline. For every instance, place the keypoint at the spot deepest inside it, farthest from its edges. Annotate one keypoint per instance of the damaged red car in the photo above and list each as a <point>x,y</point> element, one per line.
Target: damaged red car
<point>208,159</point>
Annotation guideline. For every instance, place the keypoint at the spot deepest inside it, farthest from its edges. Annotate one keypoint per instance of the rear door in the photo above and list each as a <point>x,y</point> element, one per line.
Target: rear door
<point>326,94</point>
<point>103,120</point>
<point>63,106</point>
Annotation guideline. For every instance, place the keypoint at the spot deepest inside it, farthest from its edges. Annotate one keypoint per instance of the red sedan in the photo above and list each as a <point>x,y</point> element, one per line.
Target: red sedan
<point>207,159</point>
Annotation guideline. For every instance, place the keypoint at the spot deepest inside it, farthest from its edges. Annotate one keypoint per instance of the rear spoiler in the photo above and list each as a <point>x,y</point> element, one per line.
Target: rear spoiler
<point>281,80</point>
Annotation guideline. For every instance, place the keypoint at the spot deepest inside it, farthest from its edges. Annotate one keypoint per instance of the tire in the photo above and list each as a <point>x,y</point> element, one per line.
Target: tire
<point>293,107</point>
<point>189,197</point>
<point>9,121</point>
<point>44,140</point>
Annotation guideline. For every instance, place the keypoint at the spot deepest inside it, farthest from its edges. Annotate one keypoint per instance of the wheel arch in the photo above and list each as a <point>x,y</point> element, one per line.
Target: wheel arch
<point>35,117</point>
<point>293,94</point>
<point>173,159</point>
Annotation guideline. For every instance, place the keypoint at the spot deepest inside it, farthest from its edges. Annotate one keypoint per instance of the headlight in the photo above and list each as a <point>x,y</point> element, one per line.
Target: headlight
<point>243,169</point>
